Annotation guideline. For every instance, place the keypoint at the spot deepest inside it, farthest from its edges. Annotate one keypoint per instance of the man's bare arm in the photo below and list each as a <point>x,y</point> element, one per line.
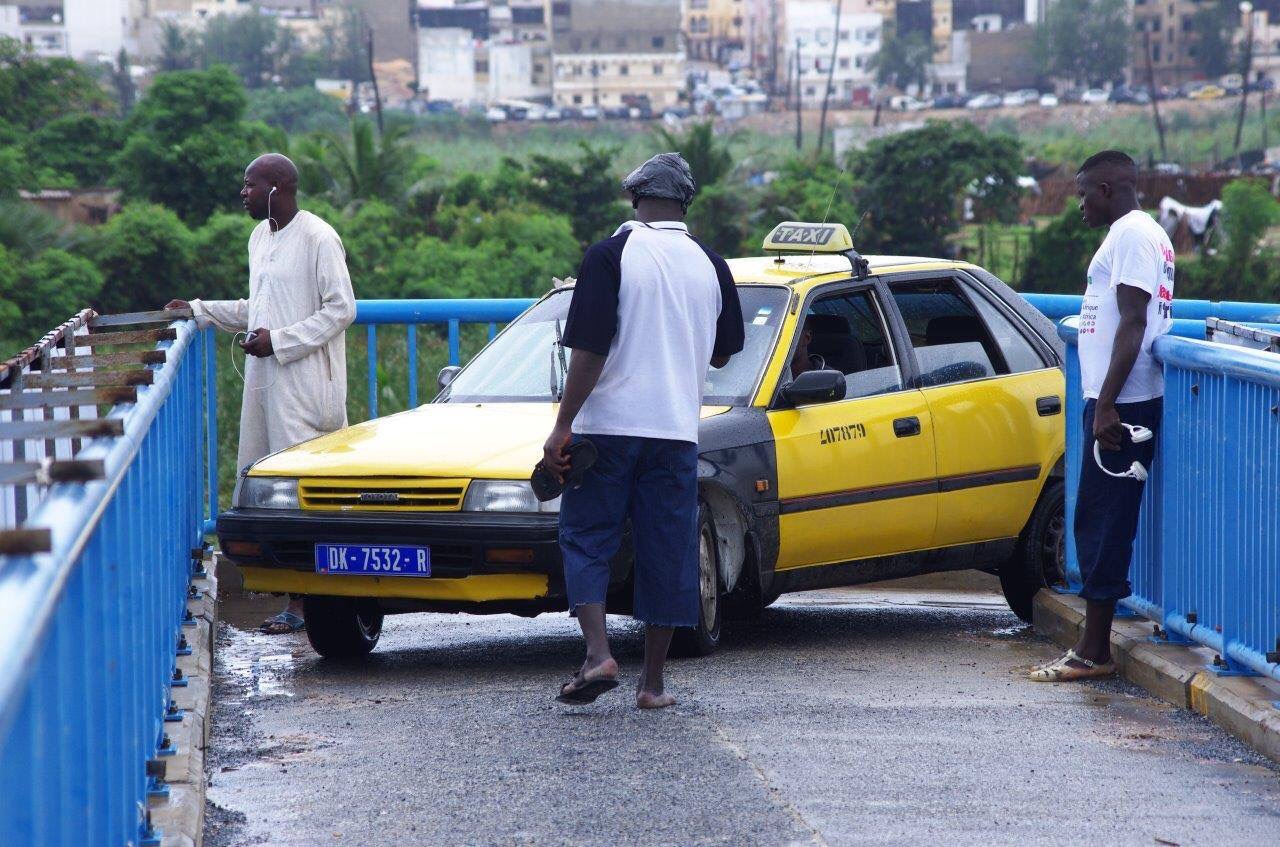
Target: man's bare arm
<point>584,372</point>
<point>1132,303</point>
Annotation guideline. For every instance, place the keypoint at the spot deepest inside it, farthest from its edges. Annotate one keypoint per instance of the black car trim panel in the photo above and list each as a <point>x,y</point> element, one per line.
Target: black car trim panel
<point>959,482</point>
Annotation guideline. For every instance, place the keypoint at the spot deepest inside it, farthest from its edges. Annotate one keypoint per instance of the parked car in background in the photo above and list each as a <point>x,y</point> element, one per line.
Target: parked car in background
<point>1022,97</point>
<point>984,101</point>
<point>949,101</point>
<point>1231,83</point>
<point>906,103</point>
<point>494,115</point>
<point>1048,101</point>
<point>590,113</point>
<point>553,114</point>
<point>1094,97</point>
<point>1124,94</point>
<point>1208,92</point>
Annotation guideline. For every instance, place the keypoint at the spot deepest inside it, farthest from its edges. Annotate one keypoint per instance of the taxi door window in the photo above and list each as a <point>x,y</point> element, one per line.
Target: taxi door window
<point>951,342</point>
<point>848,335</point>
<point>1019,355</point>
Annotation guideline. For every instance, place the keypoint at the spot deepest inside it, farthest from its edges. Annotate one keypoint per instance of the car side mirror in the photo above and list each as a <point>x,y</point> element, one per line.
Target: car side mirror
<point>825,386</point>
<point>446,375</point>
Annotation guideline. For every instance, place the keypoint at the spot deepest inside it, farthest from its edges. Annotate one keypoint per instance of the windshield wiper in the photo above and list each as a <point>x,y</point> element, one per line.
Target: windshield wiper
<point>559,367</point>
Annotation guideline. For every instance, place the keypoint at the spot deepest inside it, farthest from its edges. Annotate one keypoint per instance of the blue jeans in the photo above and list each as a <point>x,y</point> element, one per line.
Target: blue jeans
<point>655,483</point>
<point>1107,508</point>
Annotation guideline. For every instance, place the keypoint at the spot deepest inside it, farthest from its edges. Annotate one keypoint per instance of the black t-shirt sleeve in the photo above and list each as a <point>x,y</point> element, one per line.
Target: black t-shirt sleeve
<point>730,333</point>
<point>593,311</point>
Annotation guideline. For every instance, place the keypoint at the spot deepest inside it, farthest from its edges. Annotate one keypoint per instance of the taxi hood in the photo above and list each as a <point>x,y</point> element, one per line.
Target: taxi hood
<point>450,440</point>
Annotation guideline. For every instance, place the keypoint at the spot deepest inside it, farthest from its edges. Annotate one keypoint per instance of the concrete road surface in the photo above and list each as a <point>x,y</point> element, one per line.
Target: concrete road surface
<point>895,714</point>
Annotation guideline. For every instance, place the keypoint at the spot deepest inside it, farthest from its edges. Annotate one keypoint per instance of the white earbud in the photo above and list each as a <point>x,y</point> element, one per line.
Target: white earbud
<point>1138,434</point>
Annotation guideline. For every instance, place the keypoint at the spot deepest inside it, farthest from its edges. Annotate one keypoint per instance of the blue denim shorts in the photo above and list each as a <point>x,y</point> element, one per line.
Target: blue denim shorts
<point>654,482</point>
<point>1107,508</point>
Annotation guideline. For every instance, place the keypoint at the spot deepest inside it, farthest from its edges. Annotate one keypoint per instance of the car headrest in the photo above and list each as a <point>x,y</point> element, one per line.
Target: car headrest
<point>953,329</point>
<point>828,325</point>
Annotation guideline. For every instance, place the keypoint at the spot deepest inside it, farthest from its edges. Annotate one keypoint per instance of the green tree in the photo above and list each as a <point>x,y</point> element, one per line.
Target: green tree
<point>360,166</point>
<point>54,286</point>
<point>911,184</point>
<point>902,60</point>
<point>805,190</point>
<point>26,231</point>
<point>1085,41</point>
<point>147,257</point>
<point>1248,210</point>
<point>222,246</point>
<point>1212,28</point>
<point>176,48</point>
<point>245,42</point>
<point>187,146</point>
<point>708,155</point>
<point>297,111</point>
<point>13,327</point>
<point>75,144</point>
<point>582,189</point>
<point>122,81</point>
<point>34,90</point>
<point>1058,254</point>
<point>345,46</point>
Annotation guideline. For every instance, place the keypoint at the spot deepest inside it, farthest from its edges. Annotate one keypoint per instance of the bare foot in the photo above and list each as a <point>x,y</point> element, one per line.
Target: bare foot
<point>653,700</point>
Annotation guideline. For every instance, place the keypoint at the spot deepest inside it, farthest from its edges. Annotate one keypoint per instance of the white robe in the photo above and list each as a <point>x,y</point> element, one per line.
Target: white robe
<point>300,290</point>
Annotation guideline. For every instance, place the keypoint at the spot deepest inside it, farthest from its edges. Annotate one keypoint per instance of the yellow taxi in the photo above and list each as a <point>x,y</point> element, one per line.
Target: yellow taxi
<point>888,416</point>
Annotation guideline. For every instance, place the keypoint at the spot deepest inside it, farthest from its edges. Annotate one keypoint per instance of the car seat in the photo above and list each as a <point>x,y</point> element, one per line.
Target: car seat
<point>834,341</point>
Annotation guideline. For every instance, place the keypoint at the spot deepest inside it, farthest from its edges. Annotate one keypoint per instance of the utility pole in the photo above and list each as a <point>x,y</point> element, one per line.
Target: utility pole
<point>1246,8</point>
<point>831,73</point>
<point>377,96</point>
<point>799,100</point>
<point>1151,86</point>
<point>773,47</point>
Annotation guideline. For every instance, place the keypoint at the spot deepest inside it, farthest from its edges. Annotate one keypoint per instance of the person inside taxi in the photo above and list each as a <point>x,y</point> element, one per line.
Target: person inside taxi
<point>1128,304</point>
<point>651,310</point>
<point>802,360</point>
<point>290,327</point>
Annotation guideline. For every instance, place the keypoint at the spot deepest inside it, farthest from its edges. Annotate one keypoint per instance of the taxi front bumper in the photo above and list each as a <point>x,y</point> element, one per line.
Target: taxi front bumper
<point>275,550</point>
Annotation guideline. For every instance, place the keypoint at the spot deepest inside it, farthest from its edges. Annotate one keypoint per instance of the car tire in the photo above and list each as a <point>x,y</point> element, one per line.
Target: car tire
<point>1040,558</point>
<point>704,639</point>
<point>342,627</point>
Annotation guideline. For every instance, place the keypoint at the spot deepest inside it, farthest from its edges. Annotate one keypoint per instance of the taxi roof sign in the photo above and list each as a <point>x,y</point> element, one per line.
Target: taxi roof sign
<point>799,237</point>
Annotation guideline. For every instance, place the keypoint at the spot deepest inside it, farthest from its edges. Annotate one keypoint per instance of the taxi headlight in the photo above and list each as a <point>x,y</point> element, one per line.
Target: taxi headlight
<point>264,492</point>
<point>505,495</point>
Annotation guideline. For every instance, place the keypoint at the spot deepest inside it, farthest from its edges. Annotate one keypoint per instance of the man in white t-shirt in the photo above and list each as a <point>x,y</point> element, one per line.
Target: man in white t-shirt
<point>1128,305</point>
<point>651,310</point>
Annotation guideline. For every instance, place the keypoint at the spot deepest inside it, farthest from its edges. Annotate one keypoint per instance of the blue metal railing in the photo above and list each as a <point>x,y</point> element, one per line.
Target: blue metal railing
<point>1206,565</point>
<point>1059,306</point>
<point>88,630</point>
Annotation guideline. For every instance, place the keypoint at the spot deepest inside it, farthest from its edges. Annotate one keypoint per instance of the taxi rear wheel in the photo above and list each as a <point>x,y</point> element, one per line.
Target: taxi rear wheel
<point>703,639</point>
<point>1040,559</point>
<point>342,627</point>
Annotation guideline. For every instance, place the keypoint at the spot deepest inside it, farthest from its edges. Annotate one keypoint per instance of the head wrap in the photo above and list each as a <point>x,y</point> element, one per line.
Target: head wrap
<point>666,176</point>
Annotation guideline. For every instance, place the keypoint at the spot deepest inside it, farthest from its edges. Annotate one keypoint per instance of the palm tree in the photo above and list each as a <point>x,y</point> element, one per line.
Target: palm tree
<point>708,157</point>
<point>175,48</point>
<point>360,167</point>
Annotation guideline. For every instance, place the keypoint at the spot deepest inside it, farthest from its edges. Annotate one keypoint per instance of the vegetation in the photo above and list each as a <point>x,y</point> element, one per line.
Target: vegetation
<point>1085,41</point>
<point>902,60</point>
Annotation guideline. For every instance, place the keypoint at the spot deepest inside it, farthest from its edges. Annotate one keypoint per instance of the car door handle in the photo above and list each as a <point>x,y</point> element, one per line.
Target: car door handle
<point>904,427</point>
<point>1048,406</point>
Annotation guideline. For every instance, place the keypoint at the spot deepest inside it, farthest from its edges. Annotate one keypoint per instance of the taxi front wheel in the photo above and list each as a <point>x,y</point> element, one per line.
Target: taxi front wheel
<point>342,627</point>
<point>1040,558</point>
<point>703,639</point>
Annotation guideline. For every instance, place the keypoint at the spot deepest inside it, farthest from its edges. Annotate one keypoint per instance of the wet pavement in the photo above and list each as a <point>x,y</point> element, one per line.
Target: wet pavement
<point>894,714</point>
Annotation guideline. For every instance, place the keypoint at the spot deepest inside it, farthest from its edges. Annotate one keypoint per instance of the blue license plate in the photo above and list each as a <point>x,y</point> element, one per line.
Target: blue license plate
<point>373,559</point>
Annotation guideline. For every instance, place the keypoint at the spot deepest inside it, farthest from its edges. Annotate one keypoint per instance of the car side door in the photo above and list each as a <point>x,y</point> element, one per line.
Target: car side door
<point>856,476</point>
<point>996,398</point>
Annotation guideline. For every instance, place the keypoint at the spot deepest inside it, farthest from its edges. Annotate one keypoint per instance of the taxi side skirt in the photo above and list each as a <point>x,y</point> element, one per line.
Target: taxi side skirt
<point>980,555</point>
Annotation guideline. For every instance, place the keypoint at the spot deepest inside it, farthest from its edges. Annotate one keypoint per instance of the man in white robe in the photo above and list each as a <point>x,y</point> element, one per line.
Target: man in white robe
<point>300,303</point>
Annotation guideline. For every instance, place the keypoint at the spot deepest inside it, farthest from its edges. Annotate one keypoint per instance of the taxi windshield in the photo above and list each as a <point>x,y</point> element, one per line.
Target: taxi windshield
<point>523,364</point>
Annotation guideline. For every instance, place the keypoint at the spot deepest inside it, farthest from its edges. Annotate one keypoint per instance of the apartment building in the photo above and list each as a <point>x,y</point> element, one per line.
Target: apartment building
<point>613,53</point>
<point>715,28</point>
<point>813,43</point>
<point>482,52</point>
<point>1164,34</point>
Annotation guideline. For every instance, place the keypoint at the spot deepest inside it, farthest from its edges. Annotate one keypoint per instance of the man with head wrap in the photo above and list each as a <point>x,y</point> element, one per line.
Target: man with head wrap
<point>300,302</point>
<point>651,309</point>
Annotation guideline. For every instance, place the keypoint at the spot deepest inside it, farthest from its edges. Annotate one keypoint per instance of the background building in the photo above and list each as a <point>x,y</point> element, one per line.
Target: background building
<point>1164,31</point>
<point>811,35</point>
<point>613,53</point>
<point>714,29</point>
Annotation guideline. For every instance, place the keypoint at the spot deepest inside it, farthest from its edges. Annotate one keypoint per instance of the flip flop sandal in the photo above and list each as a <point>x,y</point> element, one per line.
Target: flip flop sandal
<point>587,692</point>
<point>292,622</point>
<point>582,456</point>
<point>1061,671</point>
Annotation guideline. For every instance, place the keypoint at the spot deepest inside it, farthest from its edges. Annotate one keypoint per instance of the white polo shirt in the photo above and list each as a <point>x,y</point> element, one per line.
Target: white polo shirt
<point>658,304</point>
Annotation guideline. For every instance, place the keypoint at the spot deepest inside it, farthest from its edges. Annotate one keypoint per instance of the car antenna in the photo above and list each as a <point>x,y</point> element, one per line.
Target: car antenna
<point>830,200</point>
